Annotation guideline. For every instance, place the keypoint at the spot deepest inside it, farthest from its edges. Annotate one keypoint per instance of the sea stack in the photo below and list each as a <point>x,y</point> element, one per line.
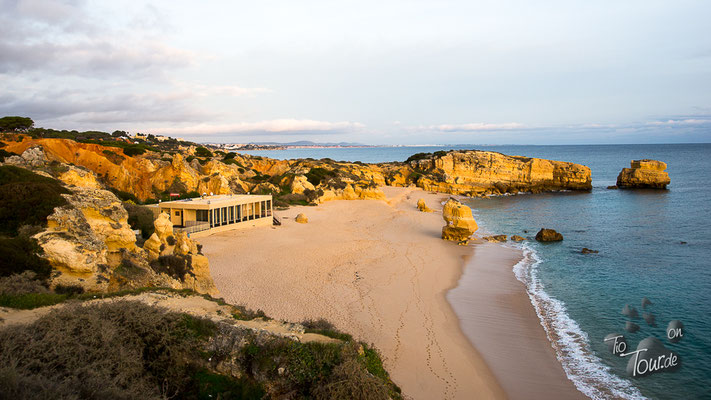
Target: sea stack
<point>644,174</point>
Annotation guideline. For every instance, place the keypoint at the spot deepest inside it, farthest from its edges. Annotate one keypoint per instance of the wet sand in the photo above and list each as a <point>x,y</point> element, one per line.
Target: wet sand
<point>375,269</point>
<point>497,316</point>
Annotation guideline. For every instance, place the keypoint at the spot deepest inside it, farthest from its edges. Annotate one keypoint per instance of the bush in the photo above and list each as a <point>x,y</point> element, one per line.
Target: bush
<point>19,254</point>
<point>23,283</point>
<point>317,174</point>
<point>118,350</point>
<point>141,218</point>
<point>15,124</point>
<point>202,151</point>
<point>134,150</point>
<point>5,153</point>
<point>174,266</point>
<point>418,156</point>
<point>323,327</point>
<point>27,198</point>
<point>69,290</point>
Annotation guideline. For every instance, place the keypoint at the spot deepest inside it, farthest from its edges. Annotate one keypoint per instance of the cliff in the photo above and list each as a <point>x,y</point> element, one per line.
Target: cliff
<point>644,174</point>
<point>470,173</point>
<point>478,173</point>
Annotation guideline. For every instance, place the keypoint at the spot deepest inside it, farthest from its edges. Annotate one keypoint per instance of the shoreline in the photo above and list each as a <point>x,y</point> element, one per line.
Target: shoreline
<point>375,269</point>
<point>511,340</point>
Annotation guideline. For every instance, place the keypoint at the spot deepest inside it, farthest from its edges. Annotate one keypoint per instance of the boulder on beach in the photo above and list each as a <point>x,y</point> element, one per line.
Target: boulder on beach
<point>301,218</point>
<point>458,215</point>
<point>456,234</point>
<point>422,206</point>
<point>644,174</point>
<point>495,238</point>
<point>548,235</point>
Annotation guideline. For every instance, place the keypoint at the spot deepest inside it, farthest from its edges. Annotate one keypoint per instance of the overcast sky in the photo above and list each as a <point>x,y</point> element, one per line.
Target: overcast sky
<point>377,72</point>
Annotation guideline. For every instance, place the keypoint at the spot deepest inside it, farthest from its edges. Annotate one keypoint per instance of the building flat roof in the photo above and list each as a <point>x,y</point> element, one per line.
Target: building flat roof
<point>216,200</point>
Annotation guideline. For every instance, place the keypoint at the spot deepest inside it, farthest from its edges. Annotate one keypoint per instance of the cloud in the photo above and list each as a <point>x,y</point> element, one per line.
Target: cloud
<point>275,126</point>
<point>682,122</point>
<point>477,126</point>
<point>82,107</point>
<point>58,38</point>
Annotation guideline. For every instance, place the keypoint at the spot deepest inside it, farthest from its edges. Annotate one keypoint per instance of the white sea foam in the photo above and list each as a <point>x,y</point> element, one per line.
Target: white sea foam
<point>571,344</point>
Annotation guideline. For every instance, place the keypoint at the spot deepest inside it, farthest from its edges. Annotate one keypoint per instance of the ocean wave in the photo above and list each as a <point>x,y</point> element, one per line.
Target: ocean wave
<point>571,344</point>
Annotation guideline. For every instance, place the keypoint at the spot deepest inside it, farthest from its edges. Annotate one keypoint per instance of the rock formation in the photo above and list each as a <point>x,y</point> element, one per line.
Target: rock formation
<point>548,235</point>
<point>301,218</point>
<point>517,238</point>
<point>470,172</point>
<point>422,206</point>
<point>495,238</point>
<point>476,173</point>
<point>644,174</point>
<point>460,223</point>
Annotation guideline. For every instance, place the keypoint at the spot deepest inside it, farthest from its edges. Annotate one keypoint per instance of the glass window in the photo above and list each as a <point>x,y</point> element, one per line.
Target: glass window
<point>201,215</point>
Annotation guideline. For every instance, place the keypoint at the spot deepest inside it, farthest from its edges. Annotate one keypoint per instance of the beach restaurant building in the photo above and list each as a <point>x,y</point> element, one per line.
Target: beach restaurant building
<point>210,214</point>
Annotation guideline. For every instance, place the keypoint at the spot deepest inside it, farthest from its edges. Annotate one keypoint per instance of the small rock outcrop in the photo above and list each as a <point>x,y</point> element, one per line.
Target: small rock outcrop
<point>644,174</point>
<point>585,250</point>
<point>548,235</point>
<point>495,238</point>
<point>517,238</point>
<point>301,218</point>
<point>460,222</point>
<point>422,206</point>
<point>455,234</point>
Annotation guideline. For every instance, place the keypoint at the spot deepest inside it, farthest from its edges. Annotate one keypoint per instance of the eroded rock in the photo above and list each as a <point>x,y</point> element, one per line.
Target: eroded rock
<point>644,174</point>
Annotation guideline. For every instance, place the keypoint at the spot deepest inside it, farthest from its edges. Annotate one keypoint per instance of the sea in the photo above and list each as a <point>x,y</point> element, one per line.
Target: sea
<point>651,243</point>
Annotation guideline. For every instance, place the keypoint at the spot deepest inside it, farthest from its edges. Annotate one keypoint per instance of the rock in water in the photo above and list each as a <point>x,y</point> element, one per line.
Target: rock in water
<point>301,218</point>
<point>422,206</point>
<point>644,174</point>
<point>585,250</point>
<point>548,235</point>
<point>517,238</point>
<point>646,302</point>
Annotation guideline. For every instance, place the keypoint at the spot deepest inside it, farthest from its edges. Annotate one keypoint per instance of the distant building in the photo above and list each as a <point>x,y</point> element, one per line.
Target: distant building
<point>210,214</point>
<point>140,136</point>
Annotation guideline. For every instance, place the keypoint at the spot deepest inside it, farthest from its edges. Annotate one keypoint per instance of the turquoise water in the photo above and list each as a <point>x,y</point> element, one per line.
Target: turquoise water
<point>639,237</point>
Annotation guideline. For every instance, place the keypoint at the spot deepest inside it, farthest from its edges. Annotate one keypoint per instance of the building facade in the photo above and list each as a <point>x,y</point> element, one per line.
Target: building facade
<point>210,214</point>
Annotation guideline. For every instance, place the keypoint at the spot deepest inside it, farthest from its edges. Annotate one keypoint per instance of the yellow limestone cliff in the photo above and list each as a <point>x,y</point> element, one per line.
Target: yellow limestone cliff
<point>463,172</point>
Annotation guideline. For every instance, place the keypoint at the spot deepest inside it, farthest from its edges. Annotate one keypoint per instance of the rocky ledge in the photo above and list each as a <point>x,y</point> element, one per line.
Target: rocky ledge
<point>644,174</point>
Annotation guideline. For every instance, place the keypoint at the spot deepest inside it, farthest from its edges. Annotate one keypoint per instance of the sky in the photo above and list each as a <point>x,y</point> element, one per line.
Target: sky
<point>373,72</point>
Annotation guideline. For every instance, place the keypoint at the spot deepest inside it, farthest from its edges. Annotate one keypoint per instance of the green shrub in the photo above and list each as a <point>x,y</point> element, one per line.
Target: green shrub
<point>23,283</point>
<point>202,151</point>
<point>4,153</point>
<point>69,290</point>
<point>323,327</point>
<point>418,156</point>
<point>134,150</point>
<point>117,350</point>
<point>114,157</point>
<point>27,198</point>
<point>140,217</point>
<point>174,266</point>
<point>29,301</point>
<point>317,174</point>
<point>19,254</point>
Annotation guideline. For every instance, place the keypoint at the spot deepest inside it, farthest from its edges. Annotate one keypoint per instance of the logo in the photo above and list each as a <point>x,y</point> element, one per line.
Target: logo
<point>650,356</point>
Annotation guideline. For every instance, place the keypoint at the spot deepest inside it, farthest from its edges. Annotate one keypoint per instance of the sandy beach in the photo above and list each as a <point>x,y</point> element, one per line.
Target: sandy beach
<point>380,271</point>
